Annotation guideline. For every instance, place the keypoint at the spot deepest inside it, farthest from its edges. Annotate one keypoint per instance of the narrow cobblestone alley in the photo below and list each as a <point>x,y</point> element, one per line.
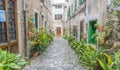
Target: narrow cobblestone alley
<point>59,56</point>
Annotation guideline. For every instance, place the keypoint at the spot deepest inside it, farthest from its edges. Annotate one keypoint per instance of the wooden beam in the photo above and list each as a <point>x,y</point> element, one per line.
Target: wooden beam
<point>7,22</point>
<point>16,23</point>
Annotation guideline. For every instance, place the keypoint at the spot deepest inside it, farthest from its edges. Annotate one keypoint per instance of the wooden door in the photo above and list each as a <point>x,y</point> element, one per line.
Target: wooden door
<point>58,31</point>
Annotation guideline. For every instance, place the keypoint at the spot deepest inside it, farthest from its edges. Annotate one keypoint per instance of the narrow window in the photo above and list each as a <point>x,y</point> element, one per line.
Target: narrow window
<point>36,20</point>
<point>12,20</point>
<point>3,36</point>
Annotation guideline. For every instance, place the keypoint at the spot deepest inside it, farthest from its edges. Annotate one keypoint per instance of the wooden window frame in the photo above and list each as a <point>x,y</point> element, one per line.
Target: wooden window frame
<point>9,43</point>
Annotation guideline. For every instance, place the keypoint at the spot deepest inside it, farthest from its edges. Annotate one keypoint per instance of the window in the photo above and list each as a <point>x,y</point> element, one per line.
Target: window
<point>58,6</point>
<point>81,1</point>
<point>67,0</point>
<point>71,8</point>
<point>36,20</point>
<point>68,13</point>
<point>42,1</point>
<point>75,3</point>
<point>11,20</point>
<point>11,30</point>
<point>3,37</point>
<point>58,17</point>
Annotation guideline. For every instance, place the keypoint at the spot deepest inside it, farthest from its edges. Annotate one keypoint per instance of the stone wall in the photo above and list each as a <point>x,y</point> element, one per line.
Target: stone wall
<point>32,8</point>
<point>20,26</point>
<point>96,9</point>
<point>113,41</point>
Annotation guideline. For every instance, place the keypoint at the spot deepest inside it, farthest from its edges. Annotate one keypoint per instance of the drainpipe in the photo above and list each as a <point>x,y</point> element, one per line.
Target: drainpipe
<point>25,35</point>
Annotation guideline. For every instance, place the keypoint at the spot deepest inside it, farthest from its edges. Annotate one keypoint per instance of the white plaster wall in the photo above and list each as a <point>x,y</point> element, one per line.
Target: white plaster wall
<point>58,23</point>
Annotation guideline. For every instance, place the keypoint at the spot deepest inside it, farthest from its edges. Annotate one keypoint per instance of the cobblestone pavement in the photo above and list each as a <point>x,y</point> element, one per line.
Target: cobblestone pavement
<point>58,56</point>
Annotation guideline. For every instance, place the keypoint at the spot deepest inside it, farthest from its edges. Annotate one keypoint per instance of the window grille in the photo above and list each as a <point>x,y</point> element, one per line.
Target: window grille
<point>11,20</point>
<point>3,37</point>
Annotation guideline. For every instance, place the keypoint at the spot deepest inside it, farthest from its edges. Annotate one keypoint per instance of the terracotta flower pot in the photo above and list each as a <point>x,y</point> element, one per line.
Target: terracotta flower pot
<point>100,27</point>
<point>30,34</point>
<point>36,54</point>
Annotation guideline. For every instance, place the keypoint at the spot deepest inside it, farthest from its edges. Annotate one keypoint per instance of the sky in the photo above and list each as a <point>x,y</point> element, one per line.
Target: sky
<point>108,2</point>
<point>58,1</point>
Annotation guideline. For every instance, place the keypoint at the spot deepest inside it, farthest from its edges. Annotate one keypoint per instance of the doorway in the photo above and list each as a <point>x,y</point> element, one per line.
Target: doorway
<point>58,31</point>
<point>81,29</point>
<point>91,32</point>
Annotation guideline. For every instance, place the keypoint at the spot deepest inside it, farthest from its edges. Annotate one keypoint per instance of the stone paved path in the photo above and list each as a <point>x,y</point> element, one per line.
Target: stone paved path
<point>59,56</point>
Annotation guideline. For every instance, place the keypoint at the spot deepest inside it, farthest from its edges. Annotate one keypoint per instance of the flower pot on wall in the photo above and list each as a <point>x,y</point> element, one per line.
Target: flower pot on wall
<point>30,34</point>
<point>100,28</point>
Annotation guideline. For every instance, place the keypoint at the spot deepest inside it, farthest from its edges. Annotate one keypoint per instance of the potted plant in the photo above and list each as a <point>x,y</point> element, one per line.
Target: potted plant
<point>30,22</point>
<point>30,34</point>
<point>98,26</point>
<point>107,30</point>
<point>100,36</point>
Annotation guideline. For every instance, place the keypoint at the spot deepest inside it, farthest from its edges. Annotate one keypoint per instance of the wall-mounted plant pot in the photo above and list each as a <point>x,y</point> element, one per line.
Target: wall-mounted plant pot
<point>30,34</point>
<point>30,25</point>
<point>100,28</point>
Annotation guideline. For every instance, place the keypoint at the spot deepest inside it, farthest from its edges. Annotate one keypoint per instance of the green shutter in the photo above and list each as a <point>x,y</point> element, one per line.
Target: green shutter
<point>68,14</point>
<point>80,1</point>
<point>91,32</point>
<point>75,3</point>
<point>36,20</point>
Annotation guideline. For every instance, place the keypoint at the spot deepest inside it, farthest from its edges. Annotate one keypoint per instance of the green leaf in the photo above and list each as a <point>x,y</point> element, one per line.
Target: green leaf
<point>109,58</point>
<point>101,64</point>
<point>1,65</point>
<point>21,63</point>
<point>14,66</point>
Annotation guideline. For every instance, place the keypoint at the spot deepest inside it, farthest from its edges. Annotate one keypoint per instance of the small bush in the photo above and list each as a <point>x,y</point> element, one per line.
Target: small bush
<point>9,61</point>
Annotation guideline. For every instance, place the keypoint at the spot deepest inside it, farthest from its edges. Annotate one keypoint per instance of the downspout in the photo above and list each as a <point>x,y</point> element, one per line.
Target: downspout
<point>25,32</point>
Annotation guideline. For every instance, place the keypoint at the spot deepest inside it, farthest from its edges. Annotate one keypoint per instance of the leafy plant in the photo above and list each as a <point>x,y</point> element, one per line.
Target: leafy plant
<point>9,61</point>
<point>40,41</point>
<point>105,61</point>
<point>100,36</point>
<point>65,36</point>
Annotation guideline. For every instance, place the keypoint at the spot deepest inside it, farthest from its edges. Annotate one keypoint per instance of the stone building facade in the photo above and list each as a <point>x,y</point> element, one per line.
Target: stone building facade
<point>96,12</point>
<point>82,15</point>
<point>76,18</point>
<point>12,28</point>
<point>40,12</point>
<point>20,21</point>
<point>113,40</point>
<point>58,15</point>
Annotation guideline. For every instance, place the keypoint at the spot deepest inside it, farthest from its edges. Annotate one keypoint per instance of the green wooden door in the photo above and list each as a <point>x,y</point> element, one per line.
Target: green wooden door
<point>36,20</point>
<point>91,32</point>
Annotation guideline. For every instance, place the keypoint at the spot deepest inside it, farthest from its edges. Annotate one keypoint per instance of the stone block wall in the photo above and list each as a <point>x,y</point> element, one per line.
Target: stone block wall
<point>20,26</point>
